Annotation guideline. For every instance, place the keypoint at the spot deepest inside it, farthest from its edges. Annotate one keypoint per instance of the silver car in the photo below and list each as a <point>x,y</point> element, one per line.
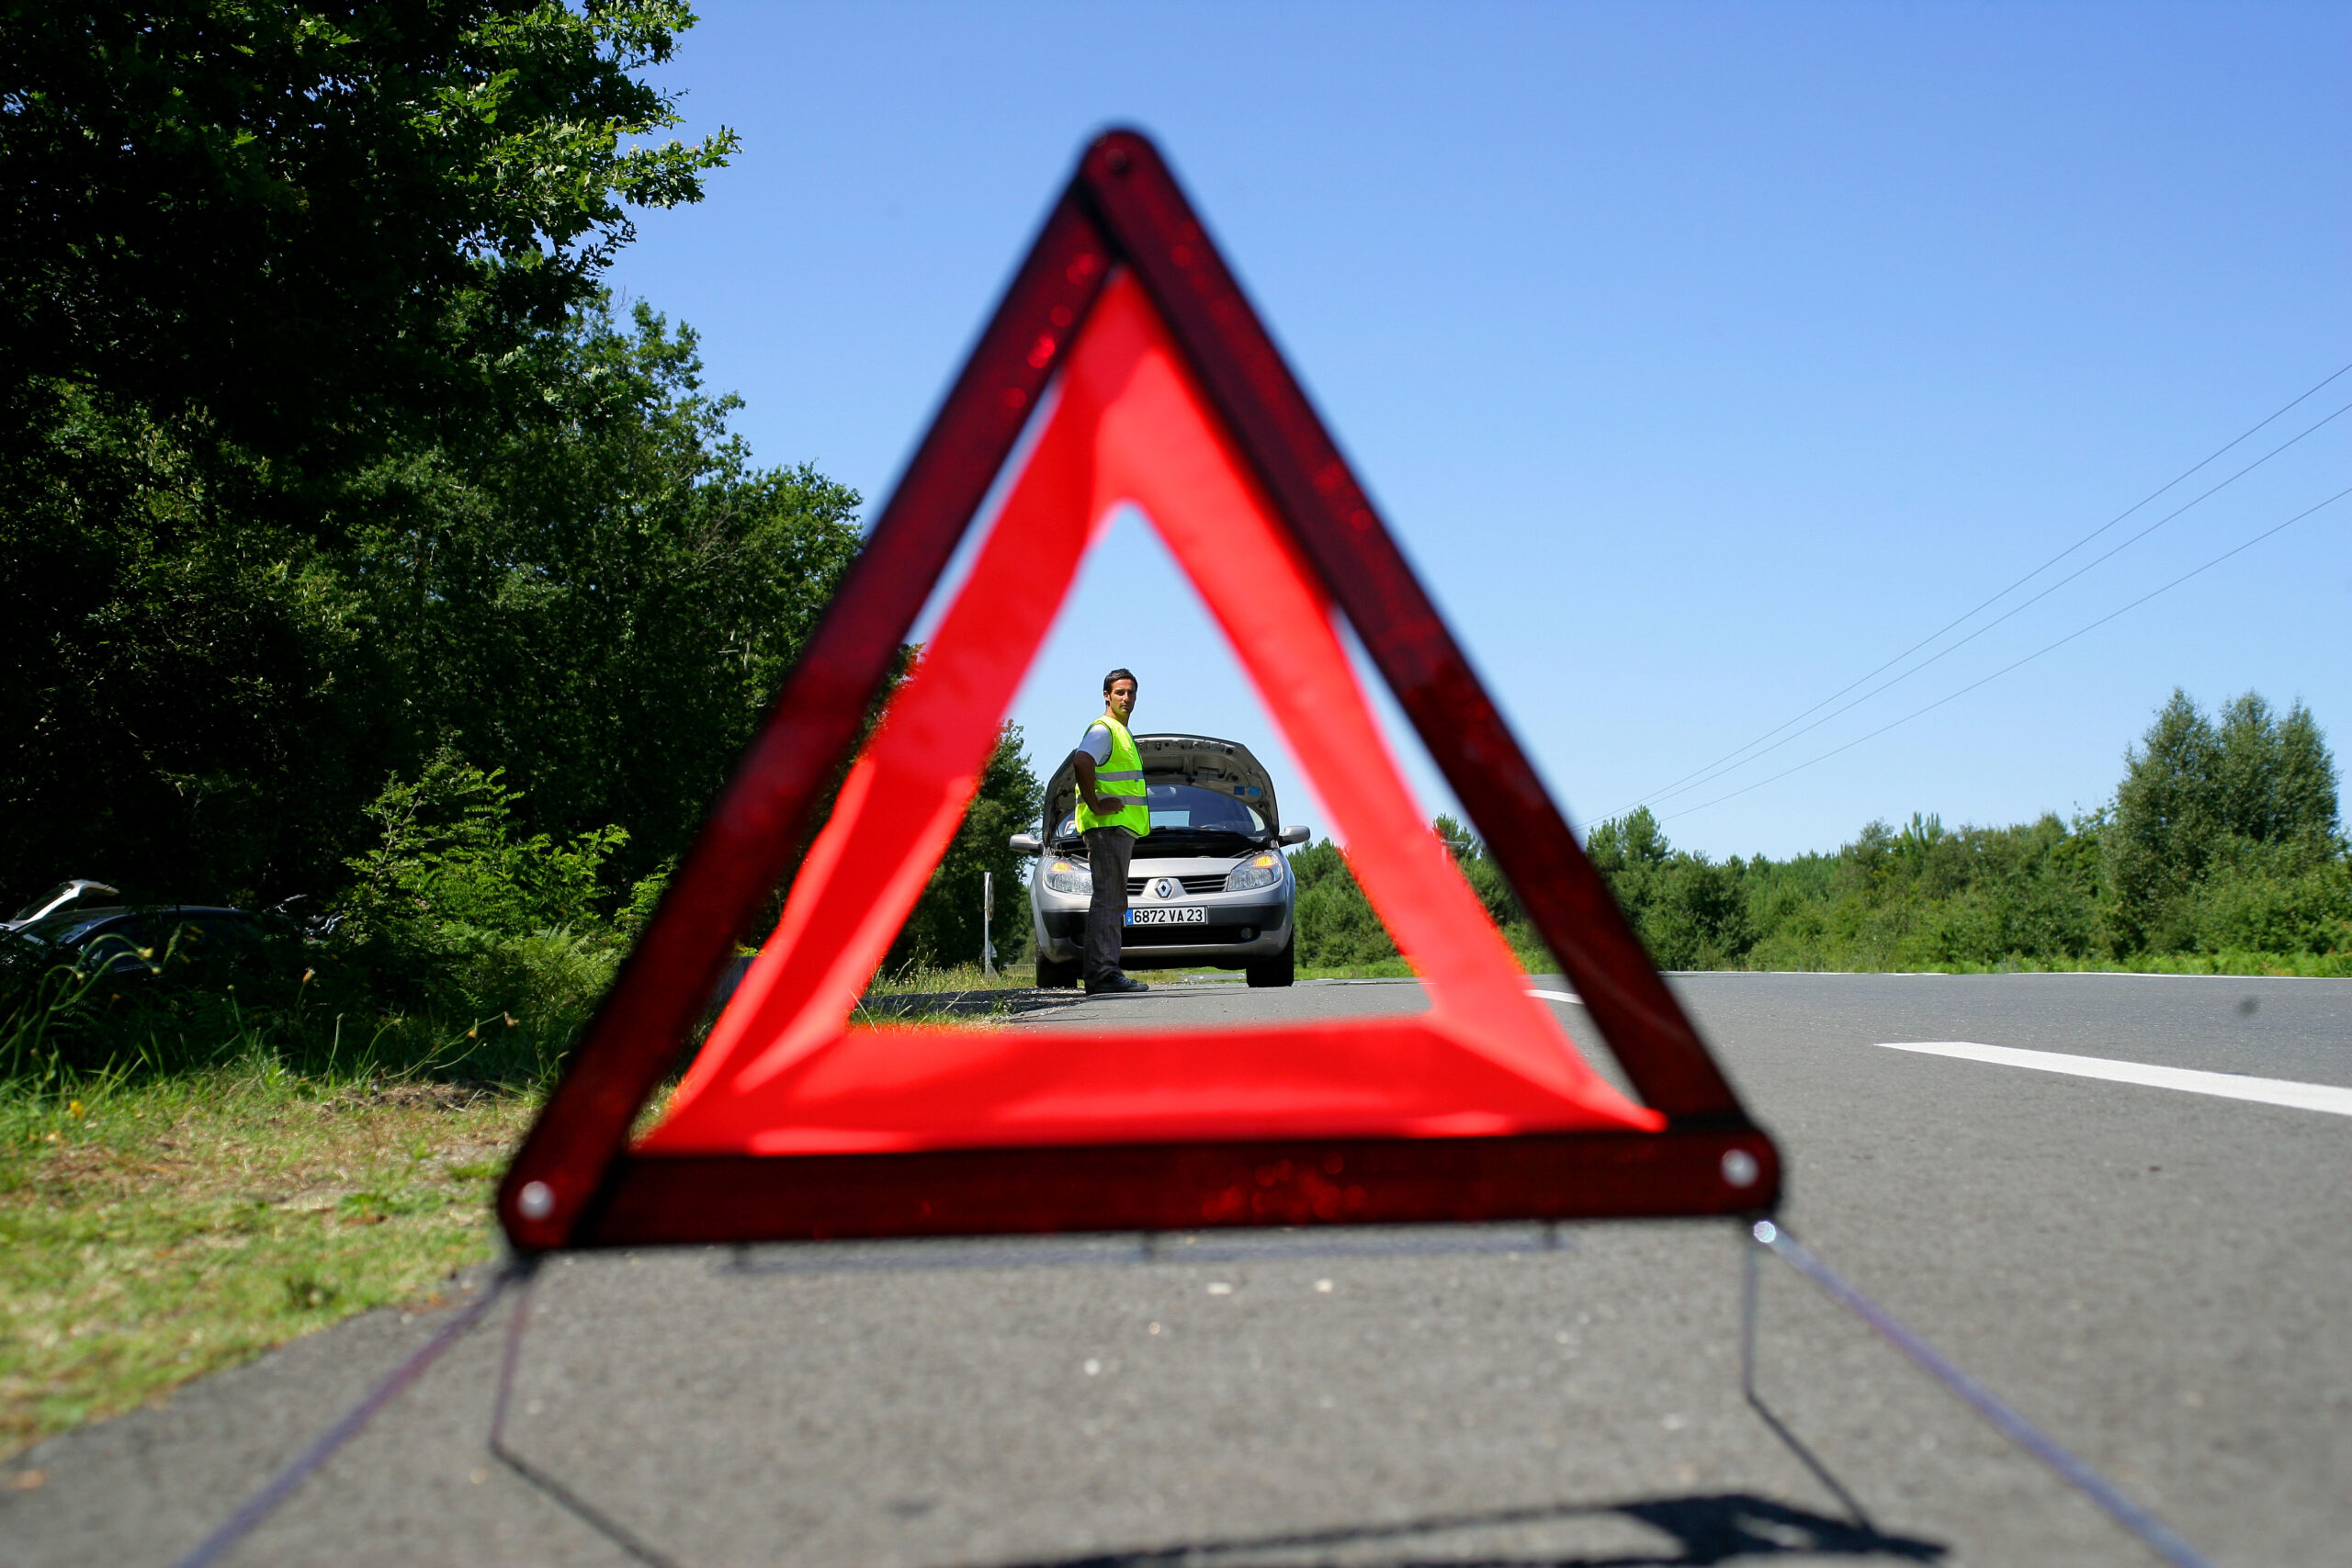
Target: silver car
<point>1209,886</point>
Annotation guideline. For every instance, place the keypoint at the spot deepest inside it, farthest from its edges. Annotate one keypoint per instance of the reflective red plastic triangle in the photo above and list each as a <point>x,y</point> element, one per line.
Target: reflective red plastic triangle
<point>1171,396</point>
<point>782,1073</point>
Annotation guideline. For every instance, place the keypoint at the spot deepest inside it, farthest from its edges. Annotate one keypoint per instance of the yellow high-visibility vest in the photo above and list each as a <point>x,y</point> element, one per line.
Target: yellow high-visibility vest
<point>1122,775</point>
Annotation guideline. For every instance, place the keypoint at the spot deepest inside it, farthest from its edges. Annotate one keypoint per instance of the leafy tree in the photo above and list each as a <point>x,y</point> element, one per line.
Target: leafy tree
<point>944,928</point>
<point>1628,843</point>
<point>173,690</point>
<point>283,285</point>
<point>603,603</point>
<point>1333,921</point>
<point>598,602</point>
<point>2274,782</point>
<point>288,222</point>
<point>1689,912</point>
<point>2198,796</point>
<point>1338,928</point>
<point>2164,823</point>
<point>1478,869</point>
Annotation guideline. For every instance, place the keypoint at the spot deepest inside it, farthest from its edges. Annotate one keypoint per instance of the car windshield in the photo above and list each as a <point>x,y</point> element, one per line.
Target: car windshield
<point>1182,810</point>
<point>43,902</point>
<point>64,927</point>
<point>1191,808</point>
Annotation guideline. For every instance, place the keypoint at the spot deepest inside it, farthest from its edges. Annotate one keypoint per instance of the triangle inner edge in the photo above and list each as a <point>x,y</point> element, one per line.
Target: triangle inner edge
<point>1130,426</point>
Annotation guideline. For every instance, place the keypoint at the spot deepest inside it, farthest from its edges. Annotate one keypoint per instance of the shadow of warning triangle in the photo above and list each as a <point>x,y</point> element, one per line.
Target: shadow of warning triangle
<point>1151,382</point>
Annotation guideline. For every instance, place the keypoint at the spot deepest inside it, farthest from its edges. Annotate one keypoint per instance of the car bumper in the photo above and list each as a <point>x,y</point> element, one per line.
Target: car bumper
<point>1234,934</point>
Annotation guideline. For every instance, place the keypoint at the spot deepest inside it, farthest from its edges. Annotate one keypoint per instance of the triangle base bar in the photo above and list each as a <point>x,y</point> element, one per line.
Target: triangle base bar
<point>690,1199</point>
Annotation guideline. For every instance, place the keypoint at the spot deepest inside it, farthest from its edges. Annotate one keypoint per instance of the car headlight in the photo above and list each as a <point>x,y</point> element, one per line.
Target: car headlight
<point>1262,871</point>
<point>1064,876</point>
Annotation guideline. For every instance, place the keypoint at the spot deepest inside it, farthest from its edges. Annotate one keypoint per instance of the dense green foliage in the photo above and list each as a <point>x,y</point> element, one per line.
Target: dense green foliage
<point>312,400</point>
<point>1334,923</point>
<point>944,929</point>
<point>2225,835</point>
<point>302,226</point>
<point>2221,849</point>
<point>462,943</point>
<point>352,545</point>
<point>597,600</point>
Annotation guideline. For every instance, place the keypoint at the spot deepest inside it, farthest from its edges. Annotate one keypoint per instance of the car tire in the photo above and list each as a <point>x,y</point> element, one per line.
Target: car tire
<point>1056,973</point>
<point>1279,970</point>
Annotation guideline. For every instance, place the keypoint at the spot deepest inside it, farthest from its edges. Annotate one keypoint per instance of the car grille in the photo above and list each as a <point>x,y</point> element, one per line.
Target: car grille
<point>1214,881</point>
<point>1184,936</point>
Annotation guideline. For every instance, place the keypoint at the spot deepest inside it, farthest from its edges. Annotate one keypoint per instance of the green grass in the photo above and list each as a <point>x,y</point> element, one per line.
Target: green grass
<point>1378,969</point>
<point>217,1178</point>
<point>952,981</point>
<point>162,1229</point>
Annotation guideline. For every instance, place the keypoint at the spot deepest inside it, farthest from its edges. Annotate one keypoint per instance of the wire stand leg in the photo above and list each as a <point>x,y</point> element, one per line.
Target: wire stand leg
<point>2153,1531</point>
<point>264,1502</point>
<point>1748,1288</point>
<point>557,1492</point>
<point>1750,1292</point>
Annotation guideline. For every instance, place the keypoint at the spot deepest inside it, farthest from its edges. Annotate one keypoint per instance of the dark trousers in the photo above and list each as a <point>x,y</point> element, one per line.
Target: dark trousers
<point>1108,850</point>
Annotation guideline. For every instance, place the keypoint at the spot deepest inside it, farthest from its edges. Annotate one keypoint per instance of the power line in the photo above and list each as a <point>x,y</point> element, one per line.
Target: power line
<point>2015,609</point>
<point>2028,659</point>
<point>1716,768</point>
<point>1710,768</point>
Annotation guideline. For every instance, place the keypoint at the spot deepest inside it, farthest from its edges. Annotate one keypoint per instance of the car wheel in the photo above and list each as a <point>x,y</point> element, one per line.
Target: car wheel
<point>1277,970</point>
<point>1056,973</point>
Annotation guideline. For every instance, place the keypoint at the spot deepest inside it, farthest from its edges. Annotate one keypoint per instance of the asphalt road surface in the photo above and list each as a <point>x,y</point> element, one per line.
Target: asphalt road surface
<point>2160,1277</point>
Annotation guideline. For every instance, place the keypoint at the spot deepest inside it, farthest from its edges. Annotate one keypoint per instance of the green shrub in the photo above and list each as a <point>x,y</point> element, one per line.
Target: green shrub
<point>447,859</point>
<point>1334,923</point>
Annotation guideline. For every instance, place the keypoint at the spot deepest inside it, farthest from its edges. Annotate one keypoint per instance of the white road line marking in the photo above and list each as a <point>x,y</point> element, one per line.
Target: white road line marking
<point>2227,1086</point>
<point>1558,997</point>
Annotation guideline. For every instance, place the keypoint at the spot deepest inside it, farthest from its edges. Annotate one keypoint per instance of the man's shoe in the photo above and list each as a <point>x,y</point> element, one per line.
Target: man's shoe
<point>1115,984</point>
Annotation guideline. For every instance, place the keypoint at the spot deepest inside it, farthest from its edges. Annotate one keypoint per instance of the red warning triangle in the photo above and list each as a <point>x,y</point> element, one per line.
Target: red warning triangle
<point>1166,393</point>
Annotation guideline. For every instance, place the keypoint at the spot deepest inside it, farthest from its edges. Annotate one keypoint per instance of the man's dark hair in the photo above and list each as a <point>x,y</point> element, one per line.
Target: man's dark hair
<point>1115,676</point>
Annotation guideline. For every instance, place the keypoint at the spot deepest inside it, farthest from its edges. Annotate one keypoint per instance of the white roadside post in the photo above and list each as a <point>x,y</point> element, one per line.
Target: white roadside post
<point>987,907</point>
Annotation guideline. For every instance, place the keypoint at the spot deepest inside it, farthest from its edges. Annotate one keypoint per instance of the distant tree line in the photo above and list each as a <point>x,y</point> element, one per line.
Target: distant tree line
<point>2221,848</point>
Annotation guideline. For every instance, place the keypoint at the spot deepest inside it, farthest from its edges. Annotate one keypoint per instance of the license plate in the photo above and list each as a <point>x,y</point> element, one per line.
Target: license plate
<point>1180,915</point>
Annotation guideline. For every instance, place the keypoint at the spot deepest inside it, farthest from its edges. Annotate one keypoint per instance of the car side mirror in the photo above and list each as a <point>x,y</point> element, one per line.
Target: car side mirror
<point>1027,844</point>
<point>1294,835</point>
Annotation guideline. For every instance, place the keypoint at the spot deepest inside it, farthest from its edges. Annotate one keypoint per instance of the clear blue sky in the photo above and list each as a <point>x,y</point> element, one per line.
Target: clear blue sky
<point>1703,358</point>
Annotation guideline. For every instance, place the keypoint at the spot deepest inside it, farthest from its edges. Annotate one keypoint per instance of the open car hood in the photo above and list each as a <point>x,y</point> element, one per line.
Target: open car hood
<point>1226,766</point>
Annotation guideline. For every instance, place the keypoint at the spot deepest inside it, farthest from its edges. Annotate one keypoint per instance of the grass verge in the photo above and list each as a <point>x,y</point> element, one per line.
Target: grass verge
<point>156,1231</point>
<point>161,1225</point>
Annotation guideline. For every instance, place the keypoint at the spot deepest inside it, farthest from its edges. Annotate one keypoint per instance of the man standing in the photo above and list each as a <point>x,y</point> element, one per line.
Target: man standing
<point>1111,816</point>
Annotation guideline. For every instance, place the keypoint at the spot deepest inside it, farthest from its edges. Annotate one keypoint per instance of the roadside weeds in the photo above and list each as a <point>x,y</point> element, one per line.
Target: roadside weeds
<point>163,1230</point>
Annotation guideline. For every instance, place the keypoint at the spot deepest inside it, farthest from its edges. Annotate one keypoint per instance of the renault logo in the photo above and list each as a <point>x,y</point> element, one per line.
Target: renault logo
<point>1164,888</point>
